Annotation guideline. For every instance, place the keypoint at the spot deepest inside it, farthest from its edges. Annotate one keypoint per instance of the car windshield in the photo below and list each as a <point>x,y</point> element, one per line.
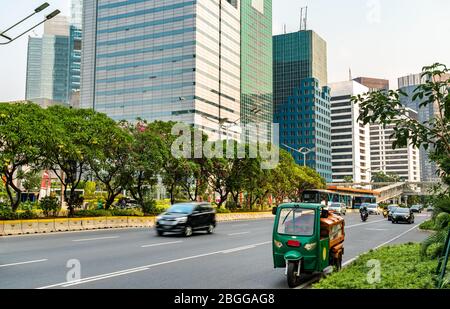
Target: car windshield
<point>402,210</point>
<point>337,205</point>
<point>415,207</point>
<point>181,209</point>
<point>372,206</point>
<point>296,222</point>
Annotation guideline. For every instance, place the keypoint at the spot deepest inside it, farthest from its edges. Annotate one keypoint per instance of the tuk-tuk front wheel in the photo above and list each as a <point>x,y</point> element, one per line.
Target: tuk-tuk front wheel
<point>293,273</point>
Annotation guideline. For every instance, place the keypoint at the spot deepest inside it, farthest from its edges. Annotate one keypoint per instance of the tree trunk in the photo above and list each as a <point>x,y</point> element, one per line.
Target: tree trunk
<point>172,195</point>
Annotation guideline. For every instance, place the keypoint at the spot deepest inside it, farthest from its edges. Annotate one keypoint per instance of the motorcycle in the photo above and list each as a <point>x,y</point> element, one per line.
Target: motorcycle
<point>385,213</point>
<point>364,215</point>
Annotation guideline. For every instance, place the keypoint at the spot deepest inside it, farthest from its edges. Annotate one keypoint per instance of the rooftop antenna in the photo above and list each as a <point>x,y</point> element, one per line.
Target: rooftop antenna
<point>350,74</point>
<point>284,27</point>
<point>303,18</point>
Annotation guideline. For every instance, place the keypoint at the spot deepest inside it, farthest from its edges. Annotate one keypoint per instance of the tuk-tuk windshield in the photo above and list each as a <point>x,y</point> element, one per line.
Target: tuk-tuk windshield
<point>296,222</point>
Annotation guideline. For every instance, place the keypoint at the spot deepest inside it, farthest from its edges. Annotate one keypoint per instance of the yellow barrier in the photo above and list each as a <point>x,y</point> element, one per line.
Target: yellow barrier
<point>75,225</point>
<point>122,222</point>
<point>89,223</point>
<point>1,228</point>
<point>46,226</point>
<point>101,222</point>
<point>61,225</point>
<point>12,227</point>
<point>30,226</point>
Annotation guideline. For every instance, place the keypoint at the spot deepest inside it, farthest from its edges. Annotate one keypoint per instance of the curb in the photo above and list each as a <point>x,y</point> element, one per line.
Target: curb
<point>41,226</point>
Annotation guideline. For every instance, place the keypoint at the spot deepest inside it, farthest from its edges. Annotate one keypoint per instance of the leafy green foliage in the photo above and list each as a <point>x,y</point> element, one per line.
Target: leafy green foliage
<point>386,108</point>
<point>401,268</point>
<point>49,206</point>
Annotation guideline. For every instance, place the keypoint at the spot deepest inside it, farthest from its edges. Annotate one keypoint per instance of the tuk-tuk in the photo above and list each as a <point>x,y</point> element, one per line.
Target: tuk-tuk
<point>306,239</point>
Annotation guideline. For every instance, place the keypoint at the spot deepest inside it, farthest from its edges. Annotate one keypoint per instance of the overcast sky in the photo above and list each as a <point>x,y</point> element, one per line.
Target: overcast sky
<point>375,38</point>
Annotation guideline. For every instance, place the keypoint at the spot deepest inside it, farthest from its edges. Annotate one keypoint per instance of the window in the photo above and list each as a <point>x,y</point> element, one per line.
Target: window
<point>297,222</point>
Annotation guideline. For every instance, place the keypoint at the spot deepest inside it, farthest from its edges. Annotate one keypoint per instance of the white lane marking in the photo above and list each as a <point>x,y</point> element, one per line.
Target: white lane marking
<point>365,223</point>
<point>239,225</point>
<point>22,263</point>
<point>380,230</point>
<point>142,268</point>
<point>397,237</point>
<point>98,238</point>
<point>241,233</point>
<point>349,261</point>
<point>162,244</point>
<point>239,249</point>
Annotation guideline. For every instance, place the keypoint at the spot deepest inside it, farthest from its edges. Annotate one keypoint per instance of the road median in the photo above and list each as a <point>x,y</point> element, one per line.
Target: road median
<point>38,226</point>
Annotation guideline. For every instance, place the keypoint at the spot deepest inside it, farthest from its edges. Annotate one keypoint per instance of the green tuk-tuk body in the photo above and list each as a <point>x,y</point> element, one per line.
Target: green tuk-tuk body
<point>306,239</point>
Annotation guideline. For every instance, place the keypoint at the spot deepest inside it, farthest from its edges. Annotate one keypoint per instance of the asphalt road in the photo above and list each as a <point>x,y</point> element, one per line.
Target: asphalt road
<point>237,256</point>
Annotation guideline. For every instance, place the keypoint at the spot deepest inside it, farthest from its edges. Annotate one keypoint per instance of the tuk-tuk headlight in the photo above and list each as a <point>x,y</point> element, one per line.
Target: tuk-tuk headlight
<point>278,244</point>
<point>310,247</point>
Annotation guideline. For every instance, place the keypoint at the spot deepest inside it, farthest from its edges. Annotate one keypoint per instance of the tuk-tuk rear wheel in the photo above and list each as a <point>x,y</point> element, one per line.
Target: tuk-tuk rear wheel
<point>293,276</point>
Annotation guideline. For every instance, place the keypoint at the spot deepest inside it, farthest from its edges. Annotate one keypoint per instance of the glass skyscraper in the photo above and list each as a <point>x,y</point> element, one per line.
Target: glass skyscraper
<point>256,62</point>
<point>302,105</point>
<point>75,37</point>
<point>47,69</point>
<point>164,60</point>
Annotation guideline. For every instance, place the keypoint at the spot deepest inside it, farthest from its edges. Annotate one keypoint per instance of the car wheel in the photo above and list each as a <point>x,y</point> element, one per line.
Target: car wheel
<point>393,222</point>
<point>160,233</point>
<point>188,231</point>
<point>210,229</point>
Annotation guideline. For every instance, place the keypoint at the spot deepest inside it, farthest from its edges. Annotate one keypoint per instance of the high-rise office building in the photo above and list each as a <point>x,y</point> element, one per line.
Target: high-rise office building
<point>256,63</point>
<point>408,84</point>
<point>403,162</point>
<point>302,99</point>
<point>304,121</point>
<point>75,37</point>
<point>173,60</point>
<point>47,64</point>
<point>373,84</point>
<point>297,56</point>
<point>350,137</point>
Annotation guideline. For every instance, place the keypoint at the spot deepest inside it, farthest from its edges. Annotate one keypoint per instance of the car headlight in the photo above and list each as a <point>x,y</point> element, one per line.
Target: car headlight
<point>158,217</point>
<point>310,247</point>
<point>278,244</point>
<point>182,220</point>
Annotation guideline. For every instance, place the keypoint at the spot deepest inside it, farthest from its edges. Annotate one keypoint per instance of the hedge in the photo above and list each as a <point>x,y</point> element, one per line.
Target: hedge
<point>401,268</point>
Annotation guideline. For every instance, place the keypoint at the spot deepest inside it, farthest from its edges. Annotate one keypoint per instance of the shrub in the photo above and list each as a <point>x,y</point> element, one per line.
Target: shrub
<point>27,214</point>
<point>401,268</point>
<point>223,210</point>
<point>92,213</point>
<point>50,206</point>
<point>127,213</point>
<point>428,225</point>
<point>149,207</point>
<point>7,214</point>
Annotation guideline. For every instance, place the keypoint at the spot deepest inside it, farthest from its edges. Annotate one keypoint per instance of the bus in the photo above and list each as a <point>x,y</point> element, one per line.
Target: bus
<point>351,200</point>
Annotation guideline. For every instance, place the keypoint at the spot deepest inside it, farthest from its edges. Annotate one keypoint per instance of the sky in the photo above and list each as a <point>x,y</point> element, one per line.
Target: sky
<point>372,38</point>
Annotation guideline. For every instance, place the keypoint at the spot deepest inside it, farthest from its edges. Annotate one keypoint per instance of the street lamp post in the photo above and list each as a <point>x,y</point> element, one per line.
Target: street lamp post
<point>37,10</point>
<point>303,150</point>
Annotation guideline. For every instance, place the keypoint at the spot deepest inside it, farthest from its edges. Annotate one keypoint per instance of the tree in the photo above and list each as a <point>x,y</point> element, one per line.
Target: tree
<point>110,158</point>
<point>73,137</point>
<point>348,179</point>
<point>31,180</point>
<point>381,177</point>
<point>145,162</point>
<point>434,135</point>
<point>21,134</point>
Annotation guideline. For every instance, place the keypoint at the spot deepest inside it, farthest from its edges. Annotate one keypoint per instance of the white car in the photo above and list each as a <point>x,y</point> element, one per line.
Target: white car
<point>373,209</point>
<point>338,208</point>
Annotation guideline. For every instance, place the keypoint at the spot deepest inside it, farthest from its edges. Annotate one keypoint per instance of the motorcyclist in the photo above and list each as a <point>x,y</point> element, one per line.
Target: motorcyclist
<point>364,212</point>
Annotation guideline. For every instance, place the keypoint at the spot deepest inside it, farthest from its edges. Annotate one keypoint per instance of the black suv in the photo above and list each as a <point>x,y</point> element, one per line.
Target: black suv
<point>185,218</point>
<point>403,215</point>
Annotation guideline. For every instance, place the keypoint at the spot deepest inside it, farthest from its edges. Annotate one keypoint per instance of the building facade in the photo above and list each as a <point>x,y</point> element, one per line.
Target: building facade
<point>75,38</point>
<point>403,162</point>
<point>256,63</point>
<point>408,84</point>
<point>305,122</point>
<point>350,137</point>
<point>374,84</point>
<point>297,56</point>
<point>302,99</point>
<point>47,64</point>
<point>173,60</point>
